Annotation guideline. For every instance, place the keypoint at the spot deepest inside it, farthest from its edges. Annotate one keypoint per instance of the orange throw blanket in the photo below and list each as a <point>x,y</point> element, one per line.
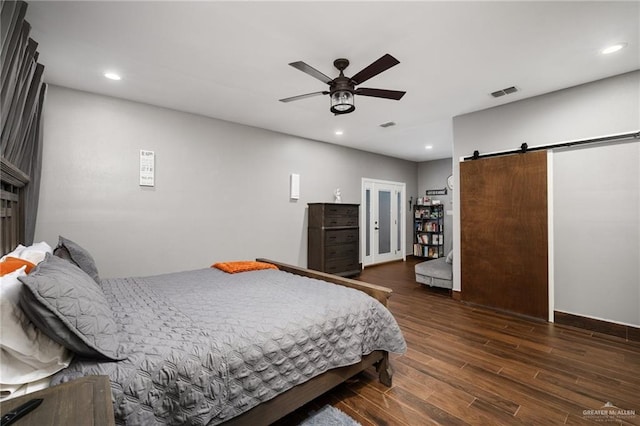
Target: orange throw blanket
<point>242,266</point>
<point>11,264</point>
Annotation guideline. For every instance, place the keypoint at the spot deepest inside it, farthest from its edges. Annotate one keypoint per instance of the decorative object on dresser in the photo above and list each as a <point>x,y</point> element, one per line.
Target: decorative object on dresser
<point>334,239</point>
<point>428,230</point>
<point>337,196</point>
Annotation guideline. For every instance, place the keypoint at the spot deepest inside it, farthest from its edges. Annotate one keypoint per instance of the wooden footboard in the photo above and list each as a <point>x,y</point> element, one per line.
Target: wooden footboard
<point>287,402</point>
<point>378,292</point>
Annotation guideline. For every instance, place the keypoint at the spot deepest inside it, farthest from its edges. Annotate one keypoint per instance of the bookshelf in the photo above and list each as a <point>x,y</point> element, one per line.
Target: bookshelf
<point>428,231</point>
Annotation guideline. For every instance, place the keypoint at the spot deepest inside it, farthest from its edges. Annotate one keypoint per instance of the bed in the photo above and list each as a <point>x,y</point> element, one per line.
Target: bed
<point>207,347</point>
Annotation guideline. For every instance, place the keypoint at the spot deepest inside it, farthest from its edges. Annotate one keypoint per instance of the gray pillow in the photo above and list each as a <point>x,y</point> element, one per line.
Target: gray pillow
<point>77,255</point>
<point>67,306</point>
<point>449,258</point>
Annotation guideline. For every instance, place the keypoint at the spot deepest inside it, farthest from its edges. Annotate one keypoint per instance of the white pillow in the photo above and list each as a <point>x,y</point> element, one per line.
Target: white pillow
<point>15,253</point>
<point>35,253</point>
<point>28,355</point>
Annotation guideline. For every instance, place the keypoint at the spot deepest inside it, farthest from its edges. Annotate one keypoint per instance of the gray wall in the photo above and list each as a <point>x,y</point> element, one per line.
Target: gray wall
<point>603,107</point>
<point>433,175</point>
<point>221,189</point>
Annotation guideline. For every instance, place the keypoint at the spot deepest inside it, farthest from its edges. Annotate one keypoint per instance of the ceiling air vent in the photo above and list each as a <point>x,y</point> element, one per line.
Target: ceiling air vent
<point>388,124</point>
<point>507,91</point>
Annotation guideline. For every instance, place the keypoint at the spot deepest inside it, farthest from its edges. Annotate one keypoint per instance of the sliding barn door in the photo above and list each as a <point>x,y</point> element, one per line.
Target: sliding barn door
<point>503,206</point>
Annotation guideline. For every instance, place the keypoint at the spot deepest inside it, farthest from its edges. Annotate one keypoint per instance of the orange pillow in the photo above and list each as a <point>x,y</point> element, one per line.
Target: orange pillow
<point>11,264</point>
<point>243,266</point>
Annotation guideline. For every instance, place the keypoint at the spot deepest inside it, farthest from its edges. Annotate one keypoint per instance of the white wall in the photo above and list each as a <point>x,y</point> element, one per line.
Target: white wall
<point>221,193</point>
<point>603,107</point>
<point>597,231</point>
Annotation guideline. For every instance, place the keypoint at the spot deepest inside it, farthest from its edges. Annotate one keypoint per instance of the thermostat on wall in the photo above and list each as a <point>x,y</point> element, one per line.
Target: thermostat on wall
<point>147,168</point>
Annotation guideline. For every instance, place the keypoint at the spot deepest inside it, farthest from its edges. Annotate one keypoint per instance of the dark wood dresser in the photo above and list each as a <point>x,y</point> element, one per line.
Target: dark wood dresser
<point>334,239</point>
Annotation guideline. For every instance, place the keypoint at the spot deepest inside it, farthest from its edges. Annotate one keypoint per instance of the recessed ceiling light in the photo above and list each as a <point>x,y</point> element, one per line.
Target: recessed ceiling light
<point>428,147</point>
<point>339,132</point>
<point>112,76</point>
<point>613,48</point>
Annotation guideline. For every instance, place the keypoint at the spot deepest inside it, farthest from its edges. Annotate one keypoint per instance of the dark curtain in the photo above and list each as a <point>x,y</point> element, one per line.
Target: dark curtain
<point>22,99</point>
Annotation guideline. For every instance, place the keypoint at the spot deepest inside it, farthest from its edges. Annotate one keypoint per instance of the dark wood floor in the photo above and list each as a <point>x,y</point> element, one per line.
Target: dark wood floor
<point>469,365</point>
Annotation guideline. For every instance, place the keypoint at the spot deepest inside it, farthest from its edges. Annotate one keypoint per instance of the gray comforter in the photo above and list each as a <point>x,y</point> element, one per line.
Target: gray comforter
<point>204,346</point>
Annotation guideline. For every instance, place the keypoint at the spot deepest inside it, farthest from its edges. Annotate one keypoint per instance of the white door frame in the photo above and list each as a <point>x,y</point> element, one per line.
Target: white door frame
<point>369,183</point>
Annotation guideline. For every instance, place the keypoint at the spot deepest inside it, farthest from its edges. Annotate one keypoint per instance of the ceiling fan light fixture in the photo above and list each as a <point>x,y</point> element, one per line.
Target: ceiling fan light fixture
<point>342,89</point>
<point>342,102</point>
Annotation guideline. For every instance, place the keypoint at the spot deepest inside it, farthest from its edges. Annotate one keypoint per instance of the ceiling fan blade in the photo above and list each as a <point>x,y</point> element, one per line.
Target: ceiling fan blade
<point>308,95</point>
<point>382,64</point>
<point>311,71</point>
<point>380,93</point>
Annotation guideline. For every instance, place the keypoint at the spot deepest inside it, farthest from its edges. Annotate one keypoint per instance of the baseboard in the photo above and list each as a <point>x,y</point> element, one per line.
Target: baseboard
<point>456,295</point>
<point>622,331</point>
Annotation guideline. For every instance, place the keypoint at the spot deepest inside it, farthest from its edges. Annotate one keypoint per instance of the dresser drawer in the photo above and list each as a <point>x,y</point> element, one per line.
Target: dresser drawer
<point>341,265</point>
<point>341,236</point>
<point>337,215</point>
<point>341,210</point>
<point>349,250</point>
<point>330,221</point>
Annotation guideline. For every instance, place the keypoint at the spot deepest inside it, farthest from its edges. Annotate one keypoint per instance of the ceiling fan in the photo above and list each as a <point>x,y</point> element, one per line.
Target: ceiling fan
<point>342,89</point>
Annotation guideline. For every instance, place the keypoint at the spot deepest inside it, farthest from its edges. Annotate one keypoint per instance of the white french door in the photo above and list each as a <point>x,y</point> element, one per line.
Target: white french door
<point>383,219</point>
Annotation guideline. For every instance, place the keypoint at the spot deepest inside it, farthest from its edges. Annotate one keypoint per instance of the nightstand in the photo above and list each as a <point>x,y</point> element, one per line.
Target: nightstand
<point>85,401</point>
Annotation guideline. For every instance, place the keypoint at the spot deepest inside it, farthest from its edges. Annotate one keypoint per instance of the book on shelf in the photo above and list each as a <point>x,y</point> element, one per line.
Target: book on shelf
<point>422,213</point>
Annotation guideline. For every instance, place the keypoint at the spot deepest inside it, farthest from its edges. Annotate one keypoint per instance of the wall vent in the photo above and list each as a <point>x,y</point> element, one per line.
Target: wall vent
<point>502,92</point>
<point>388,124</point>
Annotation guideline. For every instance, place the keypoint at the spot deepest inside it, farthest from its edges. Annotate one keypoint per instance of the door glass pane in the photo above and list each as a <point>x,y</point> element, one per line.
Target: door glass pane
<point>367,220</point>
<point>398,211</point>
<point>384,222</point>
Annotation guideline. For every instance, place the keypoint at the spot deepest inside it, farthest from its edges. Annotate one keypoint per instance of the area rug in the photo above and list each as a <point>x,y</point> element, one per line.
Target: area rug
<point>329,416</point>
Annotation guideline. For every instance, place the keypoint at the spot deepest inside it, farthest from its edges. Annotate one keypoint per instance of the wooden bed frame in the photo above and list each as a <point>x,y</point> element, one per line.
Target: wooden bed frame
<point>12,212</point>
<point>12,226</point>
<point>287,402</point>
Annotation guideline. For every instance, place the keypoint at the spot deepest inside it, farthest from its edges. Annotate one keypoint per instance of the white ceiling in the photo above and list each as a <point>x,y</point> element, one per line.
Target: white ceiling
<point>228,60</point>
